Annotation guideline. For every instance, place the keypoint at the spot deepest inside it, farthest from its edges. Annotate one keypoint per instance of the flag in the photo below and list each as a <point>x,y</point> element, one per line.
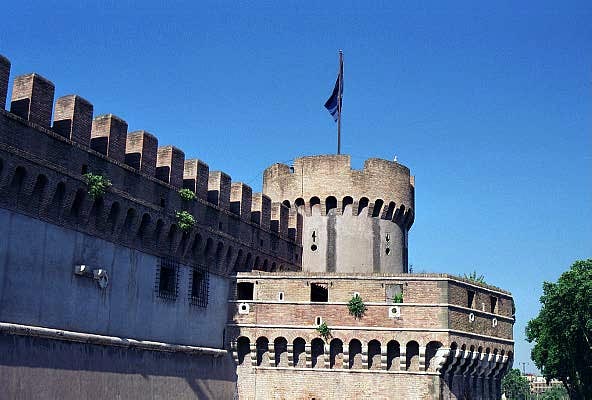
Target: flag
<point>333,104</point>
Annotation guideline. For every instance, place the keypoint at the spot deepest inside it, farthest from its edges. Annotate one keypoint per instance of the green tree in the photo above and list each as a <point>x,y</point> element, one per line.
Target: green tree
<point>563,331</point>
<point>515,386</point>
<point>555,393</point>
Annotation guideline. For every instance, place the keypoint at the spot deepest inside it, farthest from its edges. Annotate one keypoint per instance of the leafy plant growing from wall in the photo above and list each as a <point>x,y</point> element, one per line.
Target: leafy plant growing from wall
<point>186,194</point>
<point>97,184</point>
<point>185,221</point>
<point>474,277</point>
<point>398,298</point>
<point>324,331</point>
<point>356,306</point>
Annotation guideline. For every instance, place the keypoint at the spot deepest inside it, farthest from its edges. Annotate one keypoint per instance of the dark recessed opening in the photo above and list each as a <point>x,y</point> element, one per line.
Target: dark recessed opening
<point>84,169</point>
<point>319,292</point>
<point>167,286</point>
<point>313,247</point>
<point>387,251</point>
<point>493,304</point>
<point>470,298</point>
<point>199,288</point>
<point>244,291</point>
<point>162,202</point>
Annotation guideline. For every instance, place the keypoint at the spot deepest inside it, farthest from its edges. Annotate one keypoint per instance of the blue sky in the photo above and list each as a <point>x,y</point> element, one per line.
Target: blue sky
<point>490,107</point>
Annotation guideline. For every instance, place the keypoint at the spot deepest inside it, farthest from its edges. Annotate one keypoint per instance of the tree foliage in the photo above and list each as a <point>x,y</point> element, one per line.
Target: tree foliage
<point>563,331</point>
<point>515,386</point>
<point>555,393</point>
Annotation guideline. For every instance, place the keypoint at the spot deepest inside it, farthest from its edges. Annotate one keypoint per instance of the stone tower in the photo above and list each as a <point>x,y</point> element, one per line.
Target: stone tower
<point>354,221</point>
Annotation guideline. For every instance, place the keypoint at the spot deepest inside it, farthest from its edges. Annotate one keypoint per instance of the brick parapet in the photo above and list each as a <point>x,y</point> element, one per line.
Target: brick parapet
<point>97,218</point>
<point>73,119</point>
<point>429,302</point>
<point>141,151</point>
<point>32,99</point>
<point>77,144</point>
<point>383,189</point>
<point>374,277</point>
<point>170,162</point>
<point>108,136</point>
<point>45,152</point>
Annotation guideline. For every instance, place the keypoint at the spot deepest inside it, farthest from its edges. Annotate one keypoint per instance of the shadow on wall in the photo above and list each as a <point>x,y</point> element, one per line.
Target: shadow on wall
<point>42,368</point>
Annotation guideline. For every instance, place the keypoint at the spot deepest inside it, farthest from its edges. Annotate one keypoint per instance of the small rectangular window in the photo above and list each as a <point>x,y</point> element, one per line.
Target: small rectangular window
<point>470,298</point>
<point>493,304</point>
<point>319,292</point>
<point>167,279</point>
<point>393,292</point>
<point>199,288</point>
<point>244,291</point>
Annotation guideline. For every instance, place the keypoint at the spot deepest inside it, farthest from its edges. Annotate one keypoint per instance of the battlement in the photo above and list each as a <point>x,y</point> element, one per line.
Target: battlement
<point>320,184</point>
<point>145,177</point>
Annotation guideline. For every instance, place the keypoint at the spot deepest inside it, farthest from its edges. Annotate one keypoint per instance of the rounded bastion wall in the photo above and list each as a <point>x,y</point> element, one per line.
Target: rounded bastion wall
<point>353,220</point>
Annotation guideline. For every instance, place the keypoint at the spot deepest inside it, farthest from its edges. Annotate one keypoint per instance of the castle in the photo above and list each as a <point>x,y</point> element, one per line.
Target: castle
<point>115,295</point>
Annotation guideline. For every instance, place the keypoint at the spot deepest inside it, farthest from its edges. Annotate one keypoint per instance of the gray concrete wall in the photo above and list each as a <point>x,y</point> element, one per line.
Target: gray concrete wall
<point>38,287</point>
<point>38,368</point>
<point>347,243</point>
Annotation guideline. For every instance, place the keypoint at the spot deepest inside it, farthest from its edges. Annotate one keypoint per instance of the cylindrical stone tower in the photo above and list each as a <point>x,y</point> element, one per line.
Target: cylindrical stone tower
<point>353,220</point>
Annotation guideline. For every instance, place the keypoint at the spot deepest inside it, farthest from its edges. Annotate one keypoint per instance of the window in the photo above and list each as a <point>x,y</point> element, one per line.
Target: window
<point>167,279</point>
<point>470,298</point>
<point>392,292</point>
<point>244,291</point>
<point>199,288</point>
<point>319,292</point>
<point>281,296</point>
<point>493,303</point>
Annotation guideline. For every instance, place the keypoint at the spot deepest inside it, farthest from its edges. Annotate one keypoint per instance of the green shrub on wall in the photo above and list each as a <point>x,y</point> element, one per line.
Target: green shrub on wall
<point>97,184</point>
<point>356,306</point>
<point>186,195</point>
<point>185,221</point>
<point>398,298</point>
<point>324,331</point>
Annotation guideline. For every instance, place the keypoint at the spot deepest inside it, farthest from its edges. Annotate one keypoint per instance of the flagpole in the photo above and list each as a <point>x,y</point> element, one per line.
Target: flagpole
<point>339,102</point>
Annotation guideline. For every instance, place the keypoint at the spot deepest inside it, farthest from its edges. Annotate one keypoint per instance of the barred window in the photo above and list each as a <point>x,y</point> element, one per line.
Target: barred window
<point>199,284</point>
<point>167,279</point>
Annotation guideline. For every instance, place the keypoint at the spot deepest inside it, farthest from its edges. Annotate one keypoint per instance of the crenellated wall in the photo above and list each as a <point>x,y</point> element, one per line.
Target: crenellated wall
<point>145,179</point>
<point>381,189</point>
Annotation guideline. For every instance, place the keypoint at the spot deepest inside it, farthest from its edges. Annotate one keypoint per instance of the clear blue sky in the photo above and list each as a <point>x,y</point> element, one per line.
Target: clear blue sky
<point>490,107</point>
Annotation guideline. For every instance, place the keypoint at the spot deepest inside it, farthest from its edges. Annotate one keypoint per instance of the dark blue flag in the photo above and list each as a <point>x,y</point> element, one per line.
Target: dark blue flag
<point>333,104</point>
